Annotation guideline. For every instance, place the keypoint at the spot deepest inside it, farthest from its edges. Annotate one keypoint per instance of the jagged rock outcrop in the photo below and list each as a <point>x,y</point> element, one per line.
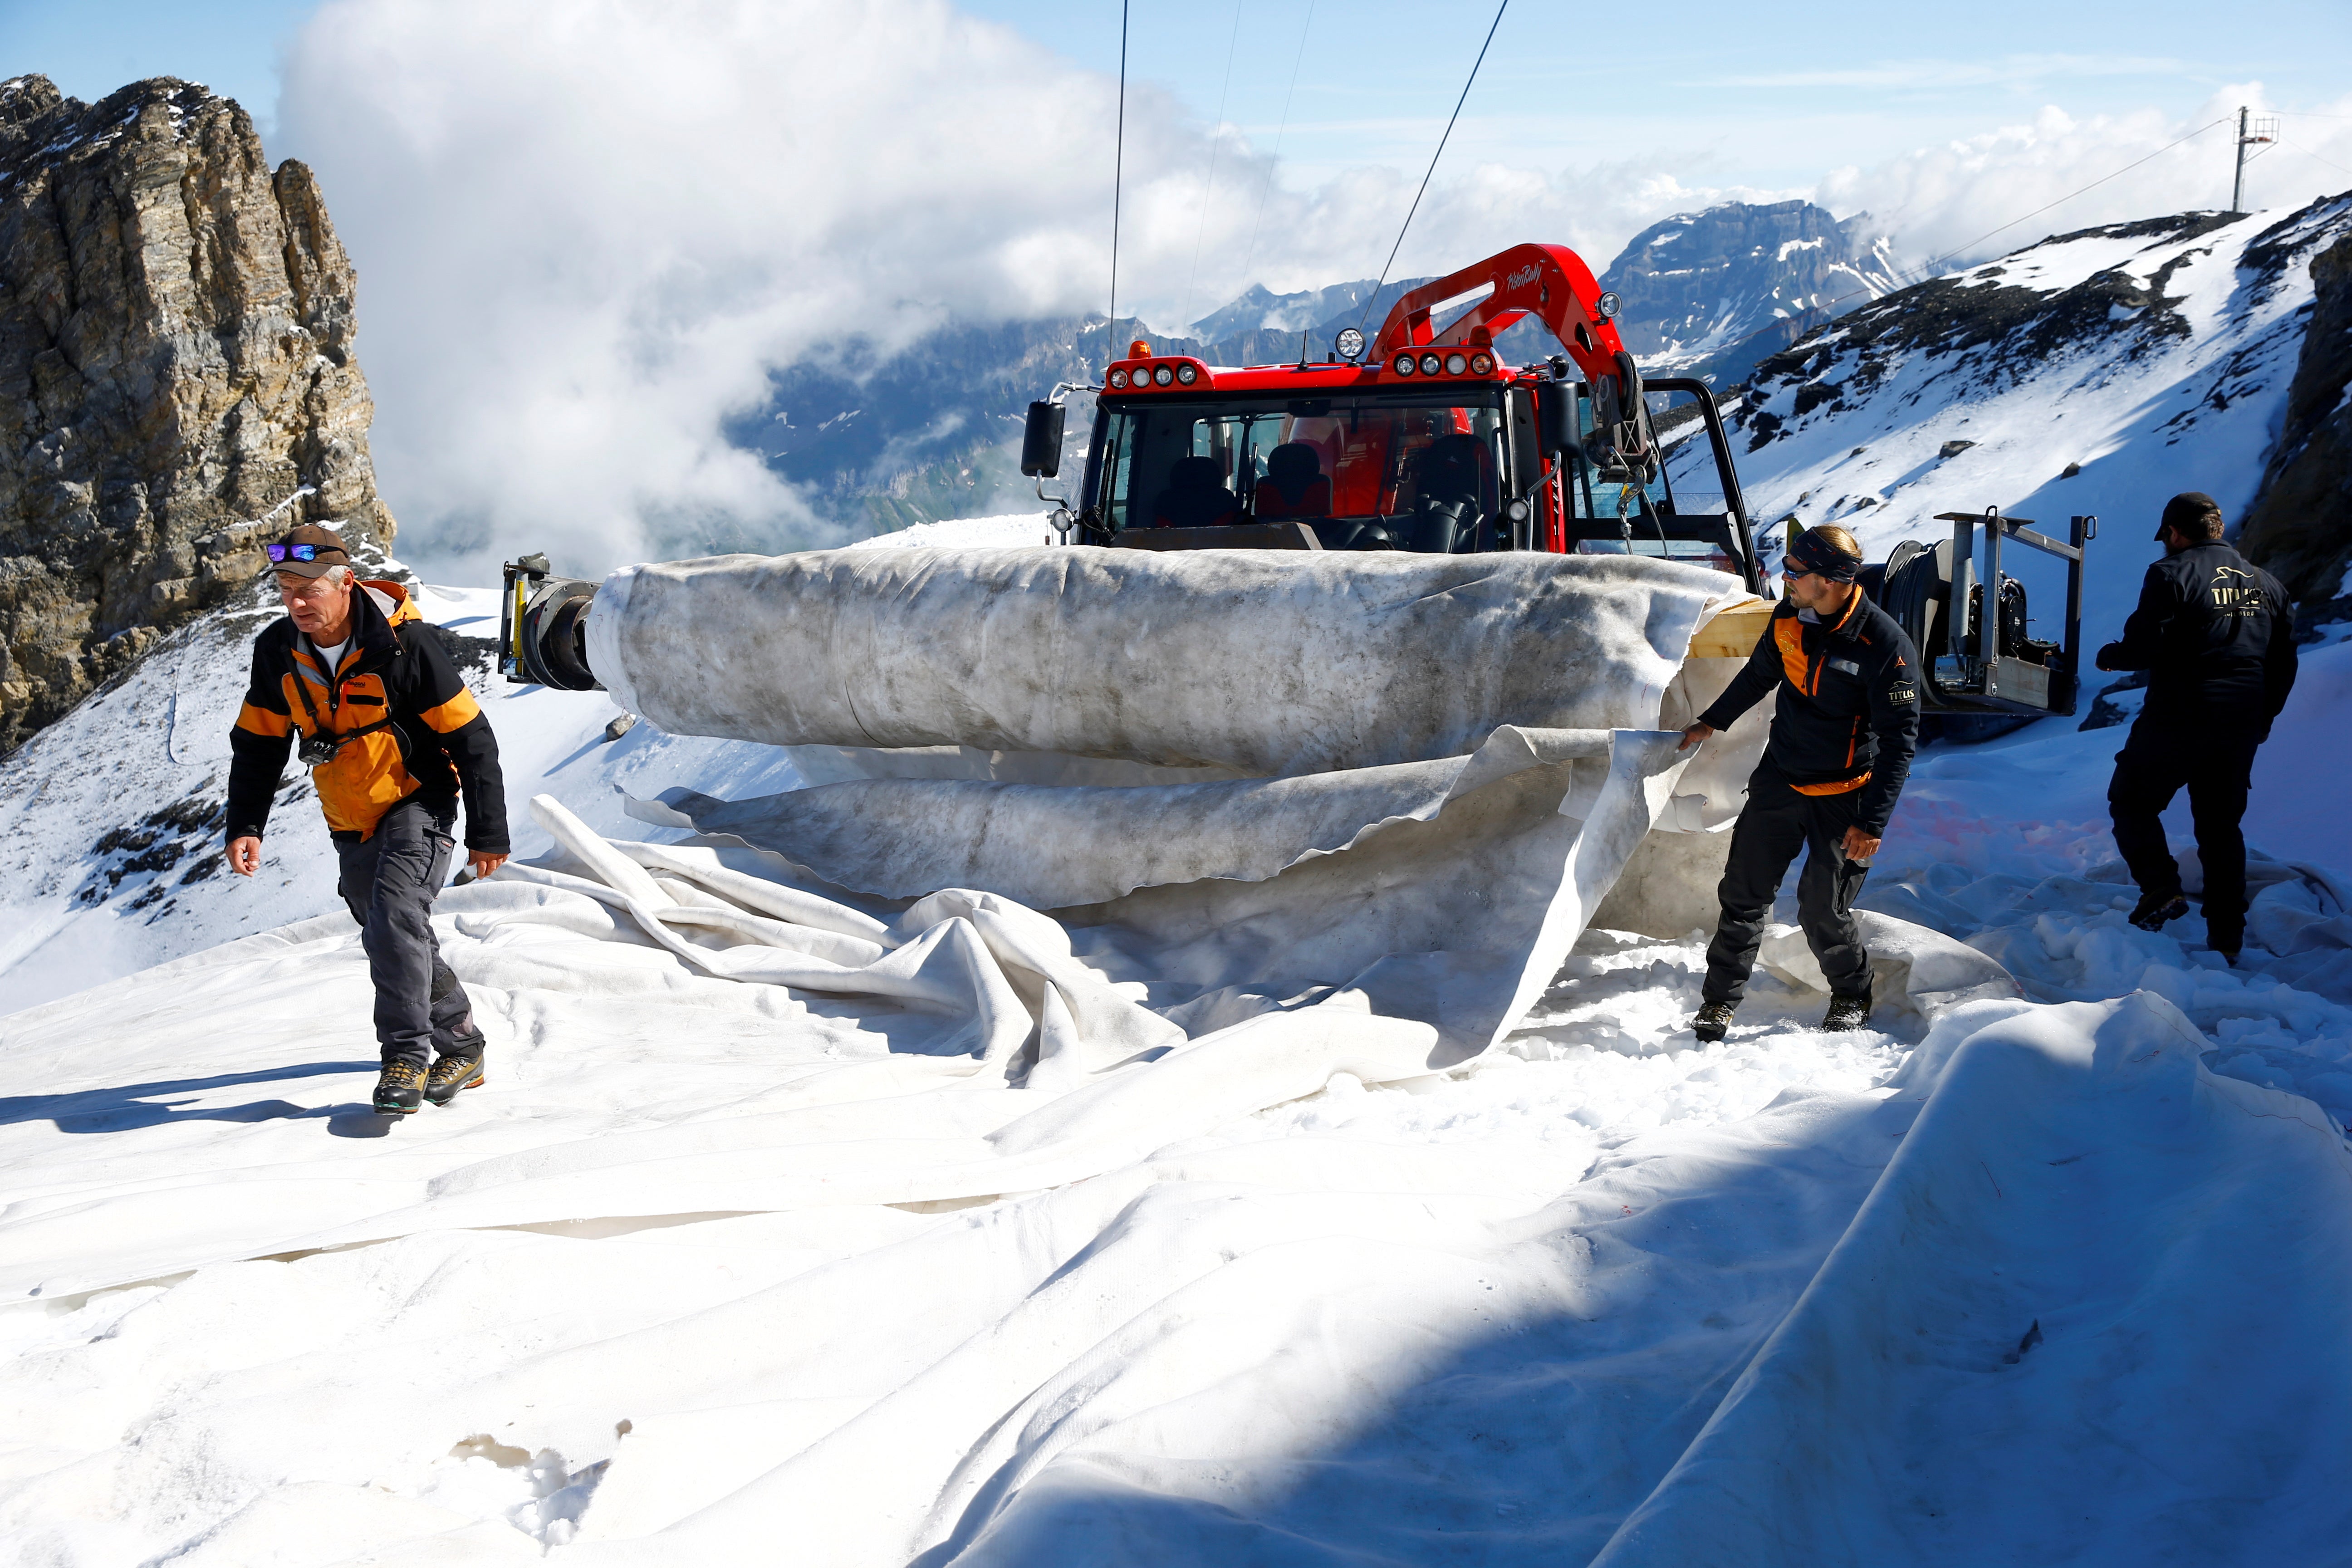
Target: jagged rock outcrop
<point>1696,283</point>
<point>2300,524</point>
<point>176,377</point>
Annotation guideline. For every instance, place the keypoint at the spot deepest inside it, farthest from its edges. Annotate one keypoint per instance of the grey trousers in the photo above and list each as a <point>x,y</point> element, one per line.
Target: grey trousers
<point>389,880</point>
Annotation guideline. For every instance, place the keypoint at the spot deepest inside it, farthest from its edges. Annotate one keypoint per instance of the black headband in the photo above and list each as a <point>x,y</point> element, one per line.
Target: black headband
<point>1812,553</point>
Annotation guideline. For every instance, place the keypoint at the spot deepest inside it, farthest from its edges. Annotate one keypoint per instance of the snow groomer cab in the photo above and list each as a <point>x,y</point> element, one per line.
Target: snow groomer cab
<point>1423,439</point>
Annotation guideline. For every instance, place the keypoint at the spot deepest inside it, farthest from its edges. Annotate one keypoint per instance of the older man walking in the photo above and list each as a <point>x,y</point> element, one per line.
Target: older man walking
<point>392,739</point>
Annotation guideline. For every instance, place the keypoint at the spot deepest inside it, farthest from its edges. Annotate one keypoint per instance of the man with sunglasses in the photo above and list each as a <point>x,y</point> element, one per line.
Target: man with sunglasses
<point>392,739</point>
<point>1844,728</point>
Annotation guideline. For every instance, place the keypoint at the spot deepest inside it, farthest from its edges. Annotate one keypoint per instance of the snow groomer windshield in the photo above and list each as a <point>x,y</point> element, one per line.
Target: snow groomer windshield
<point>1368,471</point>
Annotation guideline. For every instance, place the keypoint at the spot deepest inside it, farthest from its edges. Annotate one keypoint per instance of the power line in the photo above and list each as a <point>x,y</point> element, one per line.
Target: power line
<point>2070,196</point>
<point>2299,147</point>
<point>1926,269</point>
<point>1433,163</point>
<point>1208,193</point>
<point>1267,189</point>
<point>1117,176</point>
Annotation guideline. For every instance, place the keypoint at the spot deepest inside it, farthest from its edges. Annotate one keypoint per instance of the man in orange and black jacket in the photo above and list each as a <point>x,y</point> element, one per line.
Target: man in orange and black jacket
<point>1843,732</point>
<point>392,739</point>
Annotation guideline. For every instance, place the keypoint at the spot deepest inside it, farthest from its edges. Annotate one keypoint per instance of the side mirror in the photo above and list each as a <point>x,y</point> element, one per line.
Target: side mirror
<point>1041,442</point>
<point>1556,418</point>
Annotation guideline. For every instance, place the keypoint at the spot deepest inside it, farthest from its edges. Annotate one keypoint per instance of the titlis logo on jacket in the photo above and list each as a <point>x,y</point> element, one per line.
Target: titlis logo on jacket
<point>1900,692</point>
<point>2228,595</point>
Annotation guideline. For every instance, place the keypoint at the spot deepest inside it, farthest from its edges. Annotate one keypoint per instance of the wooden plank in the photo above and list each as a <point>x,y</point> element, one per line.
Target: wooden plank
<point>1732,633</point>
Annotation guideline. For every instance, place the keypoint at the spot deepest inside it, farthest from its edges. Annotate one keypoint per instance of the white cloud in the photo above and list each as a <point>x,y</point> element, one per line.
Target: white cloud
<point>1964,199</point>
<point>585,230</point>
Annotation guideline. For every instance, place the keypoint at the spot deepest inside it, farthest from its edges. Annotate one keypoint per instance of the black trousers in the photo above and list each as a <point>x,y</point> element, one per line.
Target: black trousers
<point>2214,757</point>
<point>388,881</point>
<point>1773,825</point>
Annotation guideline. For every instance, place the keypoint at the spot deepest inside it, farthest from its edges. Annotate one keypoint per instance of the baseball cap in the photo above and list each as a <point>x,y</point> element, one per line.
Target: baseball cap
<point>2186,513</point>
<point>324,549</point>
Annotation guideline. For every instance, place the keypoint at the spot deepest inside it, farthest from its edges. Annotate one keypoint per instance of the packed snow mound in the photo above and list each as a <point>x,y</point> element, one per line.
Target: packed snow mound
<point>968,534</point>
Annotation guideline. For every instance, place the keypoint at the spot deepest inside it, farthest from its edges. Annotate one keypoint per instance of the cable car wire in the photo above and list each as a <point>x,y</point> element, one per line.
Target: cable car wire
<point>1117,175</point>
<point>1433,157</point>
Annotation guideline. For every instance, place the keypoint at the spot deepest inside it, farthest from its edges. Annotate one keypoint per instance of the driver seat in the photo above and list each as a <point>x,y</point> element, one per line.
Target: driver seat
<point>1295,484</point>
<point>1196,496</point>
<point>1447,480</point>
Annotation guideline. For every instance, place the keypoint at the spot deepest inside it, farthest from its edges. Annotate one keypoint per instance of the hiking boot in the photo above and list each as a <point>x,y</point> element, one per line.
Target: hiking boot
<point>1846,1013</point>
<point>1712,1019</point>
<point>396,1088</point>
<point>2153,910</point>
<point>449,1076</point>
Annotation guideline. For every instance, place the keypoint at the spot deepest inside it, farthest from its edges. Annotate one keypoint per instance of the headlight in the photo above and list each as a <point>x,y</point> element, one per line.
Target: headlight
<point>1482,364</point>
<point>1403,365</point>
<point>1609,306</point>
<point>1118,379</point>
<point>1162,377</point>
<point>1349,344</point>
<point>1187,374</point>
<point>1430,365</point>
<point>1455,364</point>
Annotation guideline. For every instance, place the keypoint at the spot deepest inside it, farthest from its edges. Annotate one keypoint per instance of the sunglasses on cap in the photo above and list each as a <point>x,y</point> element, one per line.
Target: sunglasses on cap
<point>301,552</point>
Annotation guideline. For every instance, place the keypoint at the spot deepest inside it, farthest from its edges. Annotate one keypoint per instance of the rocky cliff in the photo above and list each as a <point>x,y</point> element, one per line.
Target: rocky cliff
<point>176,377</point>
<point>1698,283</point>
<point>2301,527</point>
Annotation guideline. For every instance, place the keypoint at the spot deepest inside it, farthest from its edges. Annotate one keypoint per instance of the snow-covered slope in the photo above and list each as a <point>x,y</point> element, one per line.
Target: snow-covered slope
<point>2094,373</point>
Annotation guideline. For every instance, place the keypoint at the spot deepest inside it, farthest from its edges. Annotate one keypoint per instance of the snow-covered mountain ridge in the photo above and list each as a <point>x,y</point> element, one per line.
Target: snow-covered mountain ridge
<point>2093,374</point>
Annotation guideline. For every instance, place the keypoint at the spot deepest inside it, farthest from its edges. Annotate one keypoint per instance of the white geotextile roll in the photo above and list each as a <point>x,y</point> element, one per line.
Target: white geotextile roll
<point>1269,662</point>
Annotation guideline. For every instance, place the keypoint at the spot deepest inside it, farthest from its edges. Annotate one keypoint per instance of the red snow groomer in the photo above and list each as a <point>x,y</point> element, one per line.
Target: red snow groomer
<point>1426,440</point>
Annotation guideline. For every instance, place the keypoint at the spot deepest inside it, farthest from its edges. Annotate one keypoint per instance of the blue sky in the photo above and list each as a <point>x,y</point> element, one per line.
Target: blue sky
<point>1736,94</point>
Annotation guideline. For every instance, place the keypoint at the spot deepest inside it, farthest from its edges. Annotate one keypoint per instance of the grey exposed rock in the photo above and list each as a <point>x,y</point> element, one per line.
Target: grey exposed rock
<point>177,380</point>
<point>2300,524</point>
<point>1953,448</point>
<point>1697,282</point>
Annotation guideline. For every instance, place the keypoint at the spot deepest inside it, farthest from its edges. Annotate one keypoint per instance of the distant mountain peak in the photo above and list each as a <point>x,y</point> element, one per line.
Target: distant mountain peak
<point>1696,283</point>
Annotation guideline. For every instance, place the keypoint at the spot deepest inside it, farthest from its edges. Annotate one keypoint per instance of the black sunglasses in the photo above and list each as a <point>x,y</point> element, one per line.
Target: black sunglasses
<point>301,552</point>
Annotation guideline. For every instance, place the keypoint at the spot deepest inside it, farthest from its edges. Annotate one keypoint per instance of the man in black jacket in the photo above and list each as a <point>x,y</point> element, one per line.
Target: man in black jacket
<point>392,739</point>
<point>2216,634</point>
<point>1844,730</point>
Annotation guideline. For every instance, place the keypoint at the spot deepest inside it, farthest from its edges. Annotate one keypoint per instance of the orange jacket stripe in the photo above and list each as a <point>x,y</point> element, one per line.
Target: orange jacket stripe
<point>262,722</point>
<point>454,714</point>
<point>1788,636</point>
<point>1835,786</point>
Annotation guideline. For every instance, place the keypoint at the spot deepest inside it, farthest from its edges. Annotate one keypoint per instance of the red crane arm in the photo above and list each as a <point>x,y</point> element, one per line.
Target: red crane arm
<point>1551,282</point>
